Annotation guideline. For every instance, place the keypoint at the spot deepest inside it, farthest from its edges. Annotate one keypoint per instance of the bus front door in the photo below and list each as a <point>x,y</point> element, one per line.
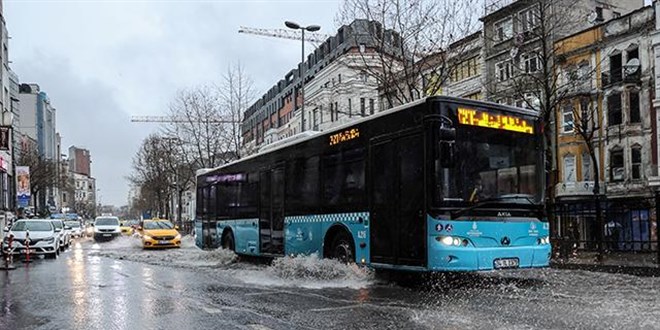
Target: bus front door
<point>398,225</point>
<point>271,211</point>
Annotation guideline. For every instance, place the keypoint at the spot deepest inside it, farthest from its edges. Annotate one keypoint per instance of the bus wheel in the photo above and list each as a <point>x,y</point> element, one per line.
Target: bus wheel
<point>228,241</point>
<point>342,248</point>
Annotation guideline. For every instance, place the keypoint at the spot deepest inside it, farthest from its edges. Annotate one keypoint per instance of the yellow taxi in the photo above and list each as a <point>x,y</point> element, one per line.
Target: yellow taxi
<point>159,234</point>
<point>127,227</point>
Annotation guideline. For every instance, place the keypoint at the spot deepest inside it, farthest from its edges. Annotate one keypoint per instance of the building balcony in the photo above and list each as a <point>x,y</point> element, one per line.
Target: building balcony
<point>577,188</point>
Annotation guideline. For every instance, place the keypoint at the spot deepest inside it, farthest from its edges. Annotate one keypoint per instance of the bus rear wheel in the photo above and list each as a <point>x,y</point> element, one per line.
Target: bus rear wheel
<point>342,248</point>
<point>228,241</point>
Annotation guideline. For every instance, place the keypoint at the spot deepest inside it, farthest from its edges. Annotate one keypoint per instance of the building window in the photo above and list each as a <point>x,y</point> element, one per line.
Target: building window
<point>531,62</point>
<point>586,167</point>
<point>371,106</point>
<point>636,159</point>
<point>615,68</point>
<point>568,124</point>
<point>362,48</point>
<point>362,107</point>
<point>569,168</point>
<point>339,78</point>
<point>466,69</point>
<point>364,77</point>
<point>350,109</point>
<point>614,109</point>
<point>616,165</point>
<point>504,30</point>
<point>528,19</point>
<point>504,70</point>
<point>474,96</point>
<point>633,98</point>
<point>336,111</point>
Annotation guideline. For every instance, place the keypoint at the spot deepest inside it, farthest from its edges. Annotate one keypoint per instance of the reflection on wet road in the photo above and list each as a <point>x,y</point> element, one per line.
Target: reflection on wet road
<point>119,286</point>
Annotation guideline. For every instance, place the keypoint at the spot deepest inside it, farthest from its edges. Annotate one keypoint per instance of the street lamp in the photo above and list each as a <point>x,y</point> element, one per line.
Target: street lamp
<point>310,28</point>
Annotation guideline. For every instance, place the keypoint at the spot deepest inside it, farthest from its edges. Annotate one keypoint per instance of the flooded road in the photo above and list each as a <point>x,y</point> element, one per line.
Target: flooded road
<point>116,285</point>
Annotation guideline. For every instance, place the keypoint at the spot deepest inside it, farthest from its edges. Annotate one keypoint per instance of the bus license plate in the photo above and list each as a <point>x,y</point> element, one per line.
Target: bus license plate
<point>506,263</point>
<point>163,242</point>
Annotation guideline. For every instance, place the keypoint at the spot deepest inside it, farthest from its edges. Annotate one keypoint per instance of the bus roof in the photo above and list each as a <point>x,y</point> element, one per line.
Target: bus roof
<point>449,99</point>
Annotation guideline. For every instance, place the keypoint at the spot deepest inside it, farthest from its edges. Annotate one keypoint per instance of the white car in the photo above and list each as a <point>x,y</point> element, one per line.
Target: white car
<point>44,238</point>
<point>106,228</point>
<point>65,234</point>
<point>76,229</point>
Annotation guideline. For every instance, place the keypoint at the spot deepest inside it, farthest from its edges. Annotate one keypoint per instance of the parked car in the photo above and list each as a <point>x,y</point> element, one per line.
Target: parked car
<point>106,228</point>
<point>44,238</point>
<point>159,234</point>
<point>76,228</point>
<point>65,234</point>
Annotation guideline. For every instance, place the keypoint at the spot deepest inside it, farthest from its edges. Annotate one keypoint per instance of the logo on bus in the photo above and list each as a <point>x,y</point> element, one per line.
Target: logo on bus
<point>474,231</point>
<point>503,214</point>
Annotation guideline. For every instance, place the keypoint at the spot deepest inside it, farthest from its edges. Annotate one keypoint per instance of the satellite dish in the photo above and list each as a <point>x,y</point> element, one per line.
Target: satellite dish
<point>593,16</point>
<point>632,66</point>
<point>513,52</point>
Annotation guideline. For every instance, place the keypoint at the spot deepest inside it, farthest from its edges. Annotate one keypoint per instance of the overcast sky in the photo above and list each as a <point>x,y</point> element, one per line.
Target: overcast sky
<point>102,61</point>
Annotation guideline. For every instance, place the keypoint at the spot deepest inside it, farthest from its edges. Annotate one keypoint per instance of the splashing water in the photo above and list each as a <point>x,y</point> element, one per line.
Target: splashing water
<point>311,272</point>
<point>188,256</point>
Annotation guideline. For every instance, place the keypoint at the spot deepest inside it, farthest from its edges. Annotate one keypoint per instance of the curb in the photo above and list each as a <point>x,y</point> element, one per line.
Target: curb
<point>643,271</point>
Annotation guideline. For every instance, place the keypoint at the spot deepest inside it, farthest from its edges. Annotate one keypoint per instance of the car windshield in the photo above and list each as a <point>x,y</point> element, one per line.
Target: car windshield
<point>32,226</point>
<point>58,224</point>
<point>107,222</point>
<point>73,224</point>
<point>158,225</point>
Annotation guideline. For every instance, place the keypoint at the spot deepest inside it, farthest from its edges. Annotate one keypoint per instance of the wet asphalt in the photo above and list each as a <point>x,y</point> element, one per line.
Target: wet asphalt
<point>83,289</point>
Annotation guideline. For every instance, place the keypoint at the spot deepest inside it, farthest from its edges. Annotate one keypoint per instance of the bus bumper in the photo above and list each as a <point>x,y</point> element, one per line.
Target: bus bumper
<point>443,258</point>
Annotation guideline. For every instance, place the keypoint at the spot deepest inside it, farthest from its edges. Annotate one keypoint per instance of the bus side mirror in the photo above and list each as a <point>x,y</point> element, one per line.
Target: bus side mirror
<point>446,154</point>
<point>446,146</point>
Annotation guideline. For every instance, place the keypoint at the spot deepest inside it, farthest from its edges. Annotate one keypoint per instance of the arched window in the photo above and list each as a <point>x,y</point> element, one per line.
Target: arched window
<point>616,165</point>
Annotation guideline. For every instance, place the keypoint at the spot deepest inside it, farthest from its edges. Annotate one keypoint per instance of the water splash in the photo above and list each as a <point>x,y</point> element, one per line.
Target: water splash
<point>188,256</point>
<point>311,272</point>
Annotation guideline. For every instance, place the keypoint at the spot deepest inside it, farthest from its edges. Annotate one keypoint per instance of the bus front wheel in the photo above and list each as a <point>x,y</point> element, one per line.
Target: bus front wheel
<point>228,241</point>
<point>342,248</point>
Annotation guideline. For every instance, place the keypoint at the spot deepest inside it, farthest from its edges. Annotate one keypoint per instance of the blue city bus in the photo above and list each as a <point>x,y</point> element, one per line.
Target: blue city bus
<point>440,184</point>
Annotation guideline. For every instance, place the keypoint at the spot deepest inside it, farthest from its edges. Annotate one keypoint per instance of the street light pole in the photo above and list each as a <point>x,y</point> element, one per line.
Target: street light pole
<point>310,28</point>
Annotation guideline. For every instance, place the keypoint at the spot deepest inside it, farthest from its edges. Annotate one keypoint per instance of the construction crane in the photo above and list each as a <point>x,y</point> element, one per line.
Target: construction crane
<point>313,37</point>
<point>171,119</point>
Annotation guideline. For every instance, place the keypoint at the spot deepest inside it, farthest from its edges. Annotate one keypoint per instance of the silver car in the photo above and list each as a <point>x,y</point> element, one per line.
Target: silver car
<point>65,234</point>
<point>43,238</point>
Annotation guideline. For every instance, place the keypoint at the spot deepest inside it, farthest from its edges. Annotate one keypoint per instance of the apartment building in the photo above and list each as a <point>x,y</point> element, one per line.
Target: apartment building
<point>608,72</point>
<point>337,88</point>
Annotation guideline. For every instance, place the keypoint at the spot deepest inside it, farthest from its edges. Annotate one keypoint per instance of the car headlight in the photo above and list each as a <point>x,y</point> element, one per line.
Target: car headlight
<point>147,237</point>
<point>178,236</point>
<point>50,240</point>
<point>96,230</point>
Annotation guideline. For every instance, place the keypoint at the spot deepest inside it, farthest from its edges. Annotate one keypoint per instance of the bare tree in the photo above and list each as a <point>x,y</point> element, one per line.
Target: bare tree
<point>151,174</point>
<point>237,94</point>
<point>403,37</point>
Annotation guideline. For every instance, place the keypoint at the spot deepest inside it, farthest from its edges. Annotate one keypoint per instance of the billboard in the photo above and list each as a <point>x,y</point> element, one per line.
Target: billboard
<point>23,186</point>
<point>5,134</point>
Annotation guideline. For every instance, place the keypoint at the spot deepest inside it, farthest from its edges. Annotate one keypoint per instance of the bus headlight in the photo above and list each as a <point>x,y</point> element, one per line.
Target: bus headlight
<point>446,240</point>
<point>544,240</point>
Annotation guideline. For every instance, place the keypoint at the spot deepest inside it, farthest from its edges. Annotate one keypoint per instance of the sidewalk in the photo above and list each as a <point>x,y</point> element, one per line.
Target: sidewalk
<point>640,264</point>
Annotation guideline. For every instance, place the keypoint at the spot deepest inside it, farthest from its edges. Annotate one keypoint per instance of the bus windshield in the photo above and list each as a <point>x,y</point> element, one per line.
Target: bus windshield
<point>489,164</point>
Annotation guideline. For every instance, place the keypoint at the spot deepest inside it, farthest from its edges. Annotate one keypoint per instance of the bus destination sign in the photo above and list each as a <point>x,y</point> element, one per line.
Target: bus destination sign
<point>344,136</point>
<point>497,121</point>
